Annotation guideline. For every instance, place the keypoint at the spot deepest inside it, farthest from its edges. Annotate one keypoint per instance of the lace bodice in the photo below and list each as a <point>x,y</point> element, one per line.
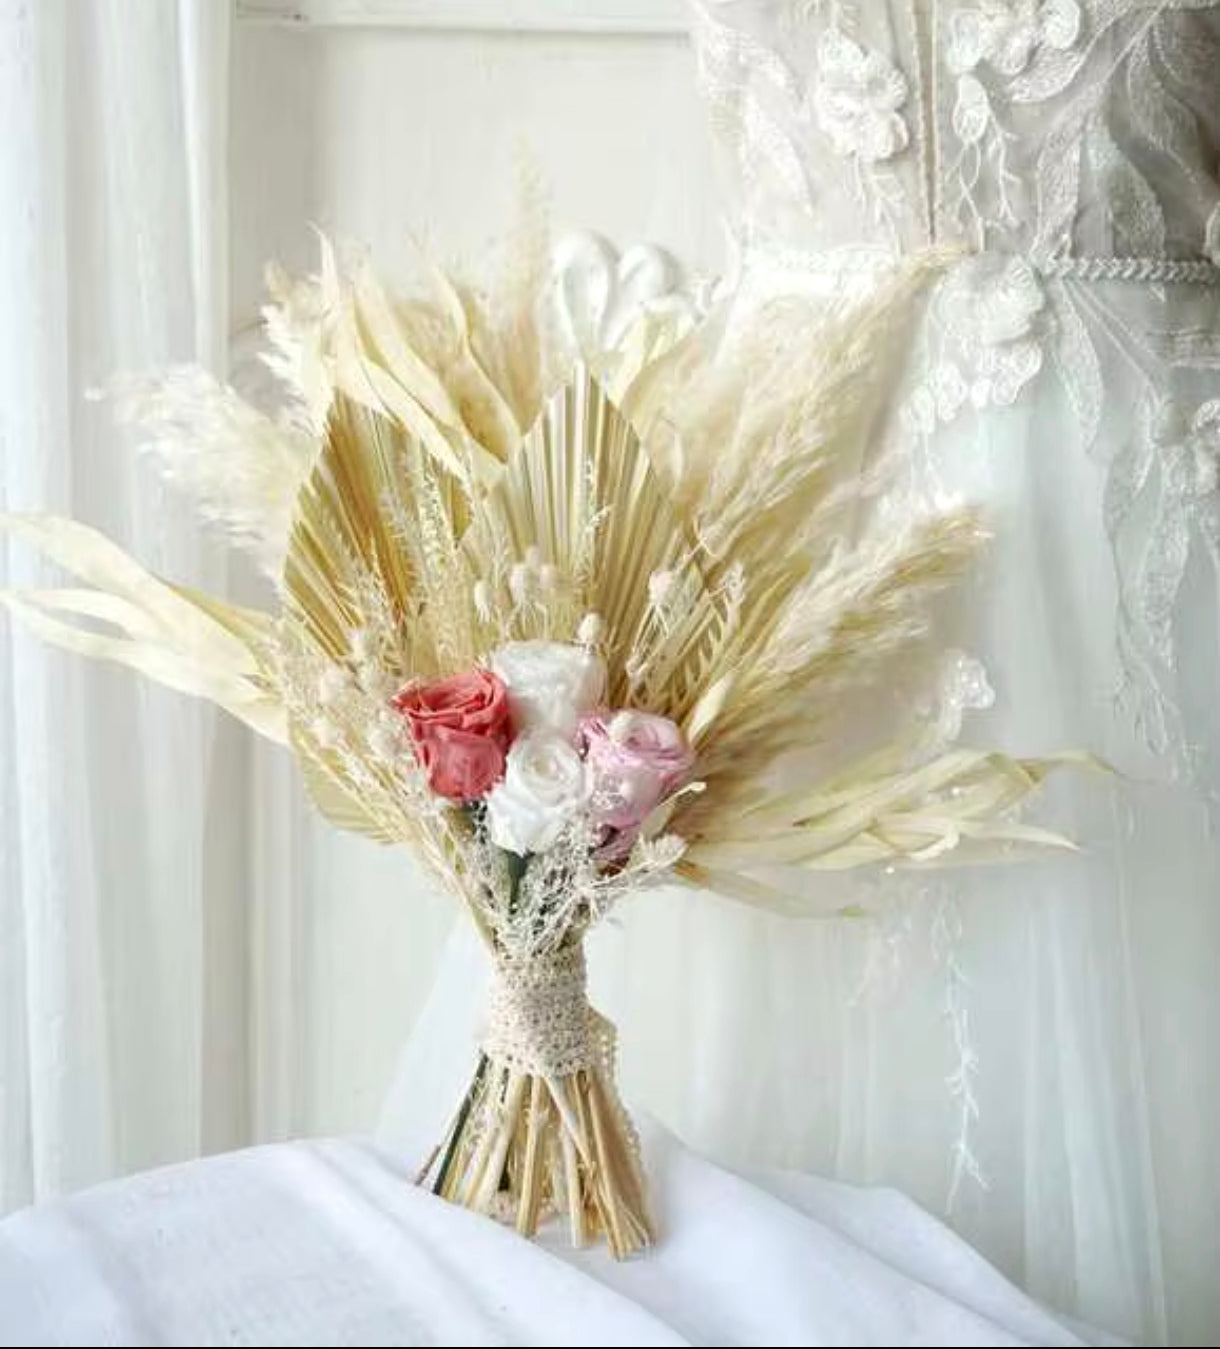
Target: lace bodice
<point>1053,129</point>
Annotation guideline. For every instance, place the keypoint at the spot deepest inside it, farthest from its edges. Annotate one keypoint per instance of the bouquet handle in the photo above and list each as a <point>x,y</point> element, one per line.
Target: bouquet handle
<point>541,1128</point>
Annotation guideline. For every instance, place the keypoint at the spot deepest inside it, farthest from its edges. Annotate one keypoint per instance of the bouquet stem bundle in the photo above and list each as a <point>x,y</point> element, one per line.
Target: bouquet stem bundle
<point>530,1139</point>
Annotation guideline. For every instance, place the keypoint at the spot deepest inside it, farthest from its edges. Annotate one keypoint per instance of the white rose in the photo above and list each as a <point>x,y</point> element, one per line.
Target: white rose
<point>545,785</point>
<point>551,685</point>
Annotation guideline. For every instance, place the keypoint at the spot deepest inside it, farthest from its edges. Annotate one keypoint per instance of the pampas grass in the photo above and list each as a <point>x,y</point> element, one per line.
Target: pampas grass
<point>243,469</point>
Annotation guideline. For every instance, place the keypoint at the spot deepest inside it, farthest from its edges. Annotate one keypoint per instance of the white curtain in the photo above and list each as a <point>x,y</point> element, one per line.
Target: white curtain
<point>124,1034</point>
<point>190,959</point>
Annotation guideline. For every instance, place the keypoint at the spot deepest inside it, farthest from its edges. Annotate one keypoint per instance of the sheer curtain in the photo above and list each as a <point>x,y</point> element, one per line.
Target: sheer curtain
<point>124,1031</point>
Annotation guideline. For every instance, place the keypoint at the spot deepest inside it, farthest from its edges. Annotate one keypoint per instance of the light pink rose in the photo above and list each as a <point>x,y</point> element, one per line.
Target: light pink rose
<point>460,728</point>
<point>636,761</point>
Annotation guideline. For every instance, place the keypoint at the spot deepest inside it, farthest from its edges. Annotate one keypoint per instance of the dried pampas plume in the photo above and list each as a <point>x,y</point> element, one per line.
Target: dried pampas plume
<point>243,469</point>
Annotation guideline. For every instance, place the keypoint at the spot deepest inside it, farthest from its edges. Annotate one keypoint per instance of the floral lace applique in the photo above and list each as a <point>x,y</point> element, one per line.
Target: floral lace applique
<point>855,99</point>
<point>984,338</point>
<point>915,906</point>
<point>1005,36</point>
<point>1163,494</point>
<point>857,95</point>
<point>964,687</point>
<point>1050,128</point>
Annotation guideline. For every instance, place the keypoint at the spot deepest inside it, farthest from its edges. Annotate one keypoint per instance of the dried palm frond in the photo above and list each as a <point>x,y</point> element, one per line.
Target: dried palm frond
<point>189,642</point>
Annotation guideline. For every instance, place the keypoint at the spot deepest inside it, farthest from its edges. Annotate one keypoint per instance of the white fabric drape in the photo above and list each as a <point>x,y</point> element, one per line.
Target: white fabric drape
<point>123,1028</point>
<point>329,1243</point>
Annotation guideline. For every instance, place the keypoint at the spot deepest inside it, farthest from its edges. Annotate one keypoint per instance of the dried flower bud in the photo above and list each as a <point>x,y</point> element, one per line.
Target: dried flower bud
<point>520,583</point>
<point>548,579</point>
<point>375,681</point>
<point>325,732</point>
<point>333,685</point>
<point>590,631</point>
<point>385,740</point>
<point>660,583</point>
<point>482,601</point>
<point>363,642</point>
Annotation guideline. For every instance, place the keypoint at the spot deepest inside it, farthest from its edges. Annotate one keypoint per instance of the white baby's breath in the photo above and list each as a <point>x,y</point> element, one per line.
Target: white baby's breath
<point>590,631</point>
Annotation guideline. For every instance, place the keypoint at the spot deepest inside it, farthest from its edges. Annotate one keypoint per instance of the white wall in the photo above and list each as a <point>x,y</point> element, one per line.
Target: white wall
<point>375,134</point>
<point>381,132</point>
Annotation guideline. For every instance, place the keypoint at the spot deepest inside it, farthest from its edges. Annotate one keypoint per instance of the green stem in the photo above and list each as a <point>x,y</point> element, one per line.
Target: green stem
<point>516,865</point>
<point>459,1125</point>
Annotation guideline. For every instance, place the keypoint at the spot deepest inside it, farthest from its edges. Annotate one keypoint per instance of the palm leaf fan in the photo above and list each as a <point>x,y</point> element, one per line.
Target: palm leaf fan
<point>585,494</point>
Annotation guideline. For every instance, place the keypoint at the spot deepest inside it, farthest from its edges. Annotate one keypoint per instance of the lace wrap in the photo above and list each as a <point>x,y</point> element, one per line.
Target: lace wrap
<point>540,1021</point>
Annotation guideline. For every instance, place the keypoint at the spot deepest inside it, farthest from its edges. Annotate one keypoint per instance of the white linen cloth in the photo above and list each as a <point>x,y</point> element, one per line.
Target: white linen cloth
<point>329,1243</point>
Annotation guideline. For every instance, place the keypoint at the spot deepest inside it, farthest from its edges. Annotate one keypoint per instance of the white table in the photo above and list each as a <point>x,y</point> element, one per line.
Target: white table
<point>329,1243</point>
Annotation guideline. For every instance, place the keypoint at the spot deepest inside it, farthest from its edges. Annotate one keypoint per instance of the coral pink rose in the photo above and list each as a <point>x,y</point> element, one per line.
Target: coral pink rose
<point>460,729</point>
<point>636,760</point>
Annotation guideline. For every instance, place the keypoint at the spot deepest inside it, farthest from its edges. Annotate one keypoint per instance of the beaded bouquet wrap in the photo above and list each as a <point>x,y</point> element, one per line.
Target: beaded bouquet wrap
<point>568,632</point>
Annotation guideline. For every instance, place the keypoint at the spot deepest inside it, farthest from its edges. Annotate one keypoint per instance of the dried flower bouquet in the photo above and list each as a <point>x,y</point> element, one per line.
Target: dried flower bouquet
<point>567,633</point>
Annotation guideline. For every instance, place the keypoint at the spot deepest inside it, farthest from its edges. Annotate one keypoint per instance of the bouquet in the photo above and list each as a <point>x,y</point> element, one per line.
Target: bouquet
<point>567,630</point>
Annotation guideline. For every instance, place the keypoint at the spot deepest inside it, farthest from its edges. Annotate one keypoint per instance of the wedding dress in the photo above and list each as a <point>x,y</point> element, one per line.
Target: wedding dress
<point>1033,1050</point>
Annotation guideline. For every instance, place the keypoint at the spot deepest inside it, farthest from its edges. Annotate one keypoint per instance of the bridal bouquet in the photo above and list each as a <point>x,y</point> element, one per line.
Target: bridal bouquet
<point>568,631</point>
